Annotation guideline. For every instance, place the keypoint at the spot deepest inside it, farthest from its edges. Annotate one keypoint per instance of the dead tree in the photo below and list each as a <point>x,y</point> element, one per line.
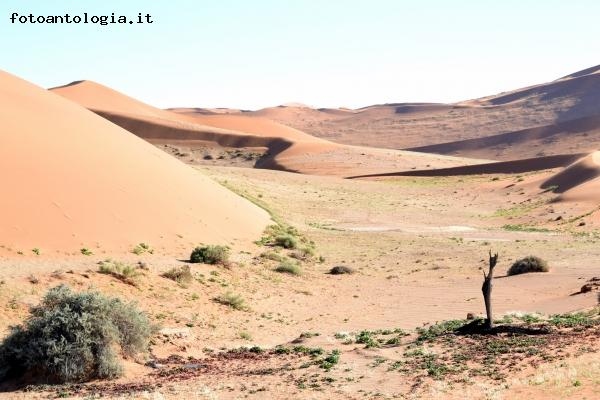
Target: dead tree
<point>486,288</point>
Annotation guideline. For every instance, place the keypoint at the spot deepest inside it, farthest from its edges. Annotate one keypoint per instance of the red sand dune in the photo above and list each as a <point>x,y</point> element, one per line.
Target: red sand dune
<point>71,179</point>
<point>289,149</point>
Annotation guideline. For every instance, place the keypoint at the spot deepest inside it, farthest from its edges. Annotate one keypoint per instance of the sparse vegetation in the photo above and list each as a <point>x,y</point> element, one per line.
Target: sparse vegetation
<point>367,338</point>
<point>74,337</point>
<point>528,264</point>
<point>232,300</point>
<point>341,270</point>
<point>289,267</point>
<point>142,248</point>
<point>273,256</point>
<point>212,254</point>
<point>523,228</point>
<point>330,361</point>
<point>181,275</point>
<point>86,252</point>
<point>286,241</point>
<point>121,271</point>
<point>303,253</point>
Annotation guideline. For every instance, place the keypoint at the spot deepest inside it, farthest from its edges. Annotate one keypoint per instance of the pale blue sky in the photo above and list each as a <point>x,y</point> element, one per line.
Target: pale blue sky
<point>325,53</point>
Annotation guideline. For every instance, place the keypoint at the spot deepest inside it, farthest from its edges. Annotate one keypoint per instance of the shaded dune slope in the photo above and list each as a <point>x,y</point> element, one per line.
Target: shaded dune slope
<point>580,135</point>
<point>288,149</point>
<point>500,167</point>
<point>580,181</point>
<point>73,179</point>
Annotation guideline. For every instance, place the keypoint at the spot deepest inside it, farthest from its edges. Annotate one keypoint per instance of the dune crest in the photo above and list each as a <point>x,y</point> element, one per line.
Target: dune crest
<point>72,179</point>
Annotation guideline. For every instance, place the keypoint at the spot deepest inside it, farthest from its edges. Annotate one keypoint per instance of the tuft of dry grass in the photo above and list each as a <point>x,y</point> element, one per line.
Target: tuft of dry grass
<point>181,275</point>
<point>121,271</point>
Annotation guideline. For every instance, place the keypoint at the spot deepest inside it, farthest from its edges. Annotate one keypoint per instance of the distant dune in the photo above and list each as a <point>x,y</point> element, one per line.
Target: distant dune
<point>581,135</point>
<point>289,149</point>
<point>72,179</point>
<point>447,128</point>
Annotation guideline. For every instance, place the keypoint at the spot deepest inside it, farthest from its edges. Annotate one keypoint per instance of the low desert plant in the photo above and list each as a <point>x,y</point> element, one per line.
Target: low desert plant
<point>74,337</point>
<point>86,252</point>
<point>286,241</point>
<point>273,256</point>
<point>232,300</point>
<point>210,254</point>
<point>123,272</point>
<point>181,275</point>
<point>340,270</point>
<point>142,248</point>
<point>303,253</point>
<point>289,267</point>
<point>528,264</point>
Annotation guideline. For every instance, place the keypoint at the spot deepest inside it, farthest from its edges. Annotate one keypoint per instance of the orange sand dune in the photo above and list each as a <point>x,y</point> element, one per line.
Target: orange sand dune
<point>72,179</point>
<point>289,149</point>
<point>580,181</point>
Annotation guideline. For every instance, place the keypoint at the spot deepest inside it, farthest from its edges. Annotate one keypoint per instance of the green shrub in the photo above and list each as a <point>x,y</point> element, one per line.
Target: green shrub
<point>289,267</point>
<point>367,338</point>
<point>74,337</point>
<point>286,241</point>
<point>181,275</point>
<point>210,255</point>
<point>528,264</point>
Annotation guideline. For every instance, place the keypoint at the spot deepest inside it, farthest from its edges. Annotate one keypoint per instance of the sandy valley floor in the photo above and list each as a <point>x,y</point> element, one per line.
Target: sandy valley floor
<point>417,246</point>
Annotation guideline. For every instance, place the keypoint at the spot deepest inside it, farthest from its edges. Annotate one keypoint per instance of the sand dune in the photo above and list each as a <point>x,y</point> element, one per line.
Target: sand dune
<point>579,181</point>
<point>289,149</point>
<point>581,135</point>
<point>414,125</point>
<point>72,179</point>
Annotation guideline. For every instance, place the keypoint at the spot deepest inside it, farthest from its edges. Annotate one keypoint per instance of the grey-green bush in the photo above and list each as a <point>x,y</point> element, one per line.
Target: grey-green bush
<point>210,255</point>
<point>74,337</point>
<point>528,264</point>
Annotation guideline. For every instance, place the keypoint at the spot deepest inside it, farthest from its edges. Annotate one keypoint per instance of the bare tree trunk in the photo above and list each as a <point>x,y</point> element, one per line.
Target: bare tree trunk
<point>486,288</point>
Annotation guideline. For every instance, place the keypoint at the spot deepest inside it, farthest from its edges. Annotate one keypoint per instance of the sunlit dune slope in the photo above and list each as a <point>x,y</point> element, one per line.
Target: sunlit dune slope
<point>71,179</point>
